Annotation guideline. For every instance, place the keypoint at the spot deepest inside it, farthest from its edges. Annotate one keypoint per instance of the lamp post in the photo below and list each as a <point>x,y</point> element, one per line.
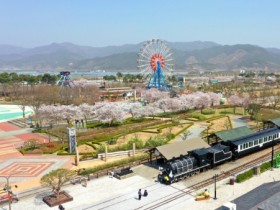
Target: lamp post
<point>8,188</point>
<point>215,187</point>
<point>272,153</point>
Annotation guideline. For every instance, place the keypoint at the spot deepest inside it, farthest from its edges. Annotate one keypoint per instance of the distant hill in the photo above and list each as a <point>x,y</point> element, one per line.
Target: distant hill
<point>196,55</point>
<point>9,49</point>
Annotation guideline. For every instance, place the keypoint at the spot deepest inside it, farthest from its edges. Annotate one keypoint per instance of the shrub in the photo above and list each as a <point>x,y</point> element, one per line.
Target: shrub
<point>31,144</point>
<point>197,116</point>
<point>66,153</point>
<point>265,166</point>
<point>112,141</point>
<point>113,164</point>
<point>50,148</point>
<point>208,111</point>
<point>119,148</point>
<point>226,112</point>
<point>94,124</point>
<point>155,141</point>
<point>170,136</point>
<point>86,156</point>
<point>138,143</point>
<point>101,148</point>
<point>244,176</point>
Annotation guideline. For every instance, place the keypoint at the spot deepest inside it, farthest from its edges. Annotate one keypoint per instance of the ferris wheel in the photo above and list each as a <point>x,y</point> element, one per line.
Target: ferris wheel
<point>155,60</point>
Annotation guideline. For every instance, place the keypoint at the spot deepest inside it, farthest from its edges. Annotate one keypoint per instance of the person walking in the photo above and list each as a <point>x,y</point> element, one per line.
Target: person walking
<point>145,193</point>
<point>139,194</point>
<point>60,207</point>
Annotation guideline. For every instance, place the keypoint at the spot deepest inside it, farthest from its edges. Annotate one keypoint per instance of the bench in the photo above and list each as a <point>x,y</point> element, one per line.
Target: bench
<point>8,197</point>
<point>124,173</point>
<point>78,180</point>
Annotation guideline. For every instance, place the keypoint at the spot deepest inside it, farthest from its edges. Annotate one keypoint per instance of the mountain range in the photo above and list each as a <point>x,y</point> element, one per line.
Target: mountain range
<point>188,56</point>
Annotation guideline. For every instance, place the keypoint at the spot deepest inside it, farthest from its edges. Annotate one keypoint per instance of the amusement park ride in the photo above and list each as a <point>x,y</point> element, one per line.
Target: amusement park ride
<point>155,60</point>
<point>65,80</point>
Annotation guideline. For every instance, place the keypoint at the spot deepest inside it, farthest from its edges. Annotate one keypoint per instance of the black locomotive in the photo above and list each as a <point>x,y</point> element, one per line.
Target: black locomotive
<point>202,159</point>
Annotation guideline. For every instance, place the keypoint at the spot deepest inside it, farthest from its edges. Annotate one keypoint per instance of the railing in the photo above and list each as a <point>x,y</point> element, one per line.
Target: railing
<point>128,153</point>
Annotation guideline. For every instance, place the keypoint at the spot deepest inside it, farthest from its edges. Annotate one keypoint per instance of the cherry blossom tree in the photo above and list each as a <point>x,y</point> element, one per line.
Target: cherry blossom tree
<point>151,110</point>
<point>87,110</point>
<point>153,95</point>
<point>163,104</point>
<point>134,109</point>
<point>201,100</point>
<point>235,101</point>
<point>110,112</point>
<point>187,101</point>
<point>214,97</point>
<point>169,104</point>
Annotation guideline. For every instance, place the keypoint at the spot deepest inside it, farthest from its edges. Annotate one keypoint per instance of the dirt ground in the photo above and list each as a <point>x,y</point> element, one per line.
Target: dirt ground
<point>141,135</point>
<point>145,136</point>
<point>85,149</point>
<point>219,125</point>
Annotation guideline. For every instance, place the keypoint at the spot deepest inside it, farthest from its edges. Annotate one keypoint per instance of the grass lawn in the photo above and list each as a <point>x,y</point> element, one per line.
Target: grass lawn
<point>267,114</point>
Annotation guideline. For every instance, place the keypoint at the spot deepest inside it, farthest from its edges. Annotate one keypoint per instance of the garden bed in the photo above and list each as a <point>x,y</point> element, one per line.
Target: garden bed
<point>51,200</point>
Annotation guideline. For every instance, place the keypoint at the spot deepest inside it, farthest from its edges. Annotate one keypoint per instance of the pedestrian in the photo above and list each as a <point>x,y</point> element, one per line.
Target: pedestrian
<point>139,194</point>
<point>145,193</point>
<point>60,207</point>
<point>84,183</point>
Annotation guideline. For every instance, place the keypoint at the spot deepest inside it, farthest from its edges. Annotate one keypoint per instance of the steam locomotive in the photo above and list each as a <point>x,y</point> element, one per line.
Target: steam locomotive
<point>200,160</point>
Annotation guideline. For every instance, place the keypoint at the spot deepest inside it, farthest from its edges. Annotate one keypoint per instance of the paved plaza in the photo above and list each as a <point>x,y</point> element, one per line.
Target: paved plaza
<point>25,171</point>
<point>111,193</point>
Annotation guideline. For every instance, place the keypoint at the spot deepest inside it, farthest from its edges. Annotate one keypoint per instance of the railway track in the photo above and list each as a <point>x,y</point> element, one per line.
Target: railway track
<point>193,188</point>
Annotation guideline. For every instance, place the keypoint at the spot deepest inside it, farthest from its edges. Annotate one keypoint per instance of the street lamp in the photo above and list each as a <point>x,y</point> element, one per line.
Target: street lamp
<point>215,187</point>
<point>272,153</point>
<point>8,188</point>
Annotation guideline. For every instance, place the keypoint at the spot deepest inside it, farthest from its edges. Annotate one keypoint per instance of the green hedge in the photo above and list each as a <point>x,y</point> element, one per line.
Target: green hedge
<point>249,174</point>
<point>184,129</point>
<point>66,153</point>
<point>197,116</point>
<point>244,176</point>
<point>226,112</point>
<point>113,164</point>
<point>266,166</point>
<point>208,111</point>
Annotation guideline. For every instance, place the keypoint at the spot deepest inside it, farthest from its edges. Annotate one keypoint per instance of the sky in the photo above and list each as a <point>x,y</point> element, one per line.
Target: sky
<point>98,23</point>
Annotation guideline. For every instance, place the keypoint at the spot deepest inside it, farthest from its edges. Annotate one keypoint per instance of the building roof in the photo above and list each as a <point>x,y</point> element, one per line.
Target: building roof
<point>259,135</point>
<point>176,149</point>
<point>265,196</point>
<point>233,133</point>
<point>275,121</point>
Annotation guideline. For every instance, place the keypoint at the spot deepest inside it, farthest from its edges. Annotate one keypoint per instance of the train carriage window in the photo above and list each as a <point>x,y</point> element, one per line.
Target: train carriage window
<point>240,147</point>
<point>256,142</point>
<point>260,141</point>
<point>250,144</point>
<point>265,139</point>
<point>270,137</point>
